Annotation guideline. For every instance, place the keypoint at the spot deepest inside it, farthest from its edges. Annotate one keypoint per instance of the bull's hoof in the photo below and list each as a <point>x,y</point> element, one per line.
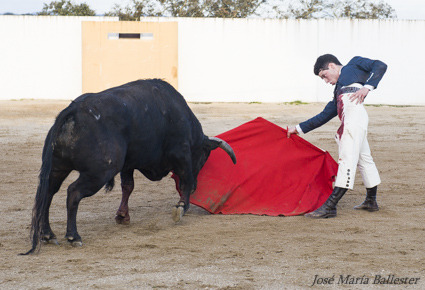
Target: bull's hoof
<point>178,212</point>
<point>122,220</point>
<point>47,239</point>
<point>50,241</point>
<point>75,243</point>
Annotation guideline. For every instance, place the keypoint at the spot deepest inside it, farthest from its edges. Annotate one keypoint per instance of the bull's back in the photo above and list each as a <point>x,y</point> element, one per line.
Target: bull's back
<point>132,122</point>
<point>140,124</point>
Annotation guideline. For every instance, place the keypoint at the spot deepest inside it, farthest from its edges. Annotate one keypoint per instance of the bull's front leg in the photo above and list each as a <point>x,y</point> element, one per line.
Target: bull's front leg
<point>187,186</point>
<point>127,186</point>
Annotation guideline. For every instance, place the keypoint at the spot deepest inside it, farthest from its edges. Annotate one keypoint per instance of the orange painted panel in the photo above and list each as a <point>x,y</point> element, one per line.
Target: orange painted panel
<point>114,53</point>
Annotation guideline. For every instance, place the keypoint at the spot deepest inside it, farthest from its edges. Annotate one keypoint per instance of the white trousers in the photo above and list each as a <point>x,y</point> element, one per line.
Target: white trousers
<point>353,147</point>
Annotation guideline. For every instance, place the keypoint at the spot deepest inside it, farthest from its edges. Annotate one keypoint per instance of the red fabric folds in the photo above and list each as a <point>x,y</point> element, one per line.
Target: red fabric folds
<point>274,175</point>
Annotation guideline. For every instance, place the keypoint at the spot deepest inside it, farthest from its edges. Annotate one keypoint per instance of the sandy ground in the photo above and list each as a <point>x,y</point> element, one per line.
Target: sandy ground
<point>206,251</point>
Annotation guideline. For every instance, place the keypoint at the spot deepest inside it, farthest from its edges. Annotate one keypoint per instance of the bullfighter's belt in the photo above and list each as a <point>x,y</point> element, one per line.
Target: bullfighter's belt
<point>347,90</point>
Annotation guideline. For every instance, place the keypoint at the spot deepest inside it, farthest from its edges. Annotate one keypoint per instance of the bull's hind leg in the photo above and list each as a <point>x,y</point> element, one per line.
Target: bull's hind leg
<point>84,186</point>
<point>127,186</point>
<point>55,181</point>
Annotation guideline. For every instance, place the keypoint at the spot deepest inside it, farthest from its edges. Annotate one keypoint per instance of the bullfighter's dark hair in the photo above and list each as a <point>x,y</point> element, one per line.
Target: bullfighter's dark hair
<point>323,61</point>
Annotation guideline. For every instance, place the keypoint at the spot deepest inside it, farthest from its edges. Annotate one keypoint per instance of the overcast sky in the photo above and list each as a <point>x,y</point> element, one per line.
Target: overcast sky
<point>405,9</point>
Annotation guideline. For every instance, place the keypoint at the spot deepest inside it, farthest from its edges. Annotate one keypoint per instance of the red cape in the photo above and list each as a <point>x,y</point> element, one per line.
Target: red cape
<point>274,175</point>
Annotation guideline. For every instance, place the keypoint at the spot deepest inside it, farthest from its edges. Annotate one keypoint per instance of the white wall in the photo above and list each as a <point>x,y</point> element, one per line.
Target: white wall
<point>224,60</point>
<point>243,60</point>
<point>41,56</point>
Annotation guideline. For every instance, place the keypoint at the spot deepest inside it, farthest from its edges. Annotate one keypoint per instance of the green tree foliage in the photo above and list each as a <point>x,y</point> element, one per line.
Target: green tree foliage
<point>183,8</point>
<point>361,9</point>
<point>187,8</point>
<point>300,9</point>
<point>308,9</point>
<point>232,9</point>
<point>354,9</point>
<point>66,8</point>
<point>135,10</point>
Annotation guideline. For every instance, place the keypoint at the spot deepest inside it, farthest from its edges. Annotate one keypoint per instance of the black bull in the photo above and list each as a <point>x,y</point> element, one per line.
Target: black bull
<point>144,125</point>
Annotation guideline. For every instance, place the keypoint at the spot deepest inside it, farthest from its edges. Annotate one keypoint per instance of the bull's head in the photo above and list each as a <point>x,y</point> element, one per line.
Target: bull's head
<point>199,158</point>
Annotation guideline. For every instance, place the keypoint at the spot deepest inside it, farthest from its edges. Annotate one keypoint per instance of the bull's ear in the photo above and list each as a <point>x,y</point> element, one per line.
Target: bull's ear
<point>212,143</point>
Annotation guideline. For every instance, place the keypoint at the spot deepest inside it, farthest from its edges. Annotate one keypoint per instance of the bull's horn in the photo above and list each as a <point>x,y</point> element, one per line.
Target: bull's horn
<point>226,147</point>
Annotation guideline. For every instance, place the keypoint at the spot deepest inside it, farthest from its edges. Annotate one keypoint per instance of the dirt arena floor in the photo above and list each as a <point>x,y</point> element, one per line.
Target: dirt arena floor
<point>359,250</point>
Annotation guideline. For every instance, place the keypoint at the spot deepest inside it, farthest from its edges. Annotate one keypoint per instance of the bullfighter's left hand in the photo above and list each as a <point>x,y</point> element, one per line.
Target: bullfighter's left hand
<point>359,96</point>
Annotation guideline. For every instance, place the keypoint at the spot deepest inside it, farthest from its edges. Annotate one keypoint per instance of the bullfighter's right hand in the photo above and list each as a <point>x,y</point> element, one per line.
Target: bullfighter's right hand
<point>291,130</point>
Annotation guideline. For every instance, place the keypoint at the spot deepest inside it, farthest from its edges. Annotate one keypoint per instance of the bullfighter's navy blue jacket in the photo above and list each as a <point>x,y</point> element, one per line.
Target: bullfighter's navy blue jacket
<point>360,70</point>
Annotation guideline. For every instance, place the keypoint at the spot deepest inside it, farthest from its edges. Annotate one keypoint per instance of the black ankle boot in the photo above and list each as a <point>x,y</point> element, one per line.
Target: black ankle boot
<point>369,203</point>
<point>328,209</point>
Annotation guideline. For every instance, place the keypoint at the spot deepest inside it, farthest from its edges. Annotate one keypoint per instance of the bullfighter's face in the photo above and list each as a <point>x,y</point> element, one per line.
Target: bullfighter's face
<point>330,75</point>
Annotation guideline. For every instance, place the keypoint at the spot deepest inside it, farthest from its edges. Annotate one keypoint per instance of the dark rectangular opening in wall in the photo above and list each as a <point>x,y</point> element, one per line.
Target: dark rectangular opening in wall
<point>129,35</point>
<point>143,36</point>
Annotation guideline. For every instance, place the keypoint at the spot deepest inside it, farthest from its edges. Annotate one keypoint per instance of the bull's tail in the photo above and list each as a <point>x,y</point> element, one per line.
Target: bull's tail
<point>41,198</point>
